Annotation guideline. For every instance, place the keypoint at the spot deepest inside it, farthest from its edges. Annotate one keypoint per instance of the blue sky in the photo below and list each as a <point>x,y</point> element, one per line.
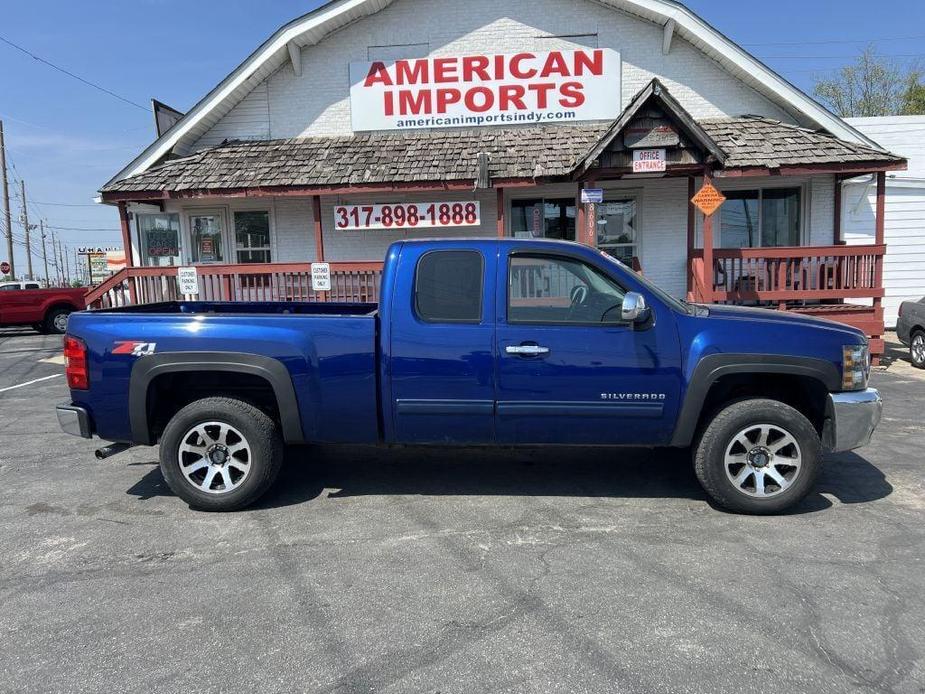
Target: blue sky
<point>66,139</point>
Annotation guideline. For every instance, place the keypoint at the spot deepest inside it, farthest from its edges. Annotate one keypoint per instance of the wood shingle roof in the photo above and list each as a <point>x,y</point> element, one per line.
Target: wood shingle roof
<point>537,151</point>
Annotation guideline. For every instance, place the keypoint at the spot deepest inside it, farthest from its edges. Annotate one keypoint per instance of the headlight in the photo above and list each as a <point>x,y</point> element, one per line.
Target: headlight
<point>855,367</point>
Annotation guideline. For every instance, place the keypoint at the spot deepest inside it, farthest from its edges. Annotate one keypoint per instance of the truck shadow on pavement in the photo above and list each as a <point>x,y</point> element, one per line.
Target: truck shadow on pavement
<point>339,472</point>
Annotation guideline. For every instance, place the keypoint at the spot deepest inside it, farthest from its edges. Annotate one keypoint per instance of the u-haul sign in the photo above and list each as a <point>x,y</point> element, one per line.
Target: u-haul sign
<point>482,90</point>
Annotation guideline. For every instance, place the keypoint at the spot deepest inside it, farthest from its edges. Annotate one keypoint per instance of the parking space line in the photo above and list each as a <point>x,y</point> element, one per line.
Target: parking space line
<point>29,383</point>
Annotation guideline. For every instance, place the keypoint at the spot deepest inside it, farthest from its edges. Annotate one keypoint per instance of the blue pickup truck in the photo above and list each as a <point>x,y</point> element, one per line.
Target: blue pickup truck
<point>478,342</point>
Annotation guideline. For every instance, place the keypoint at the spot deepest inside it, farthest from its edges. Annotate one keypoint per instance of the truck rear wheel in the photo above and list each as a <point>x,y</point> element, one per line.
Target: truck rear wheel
<point>220,454</point>
<point>758,457</point>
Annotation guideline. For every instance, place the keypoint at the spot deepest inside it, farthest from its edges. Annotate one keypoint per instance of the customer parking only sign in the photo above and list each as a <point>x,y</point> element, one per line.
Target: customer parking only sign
<point>483,90</point>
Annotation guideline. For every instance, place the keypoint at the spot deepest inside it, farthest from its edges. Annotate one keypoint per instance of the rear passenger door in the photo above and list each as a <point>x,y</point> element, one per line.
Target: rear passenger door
<point>441,341</point>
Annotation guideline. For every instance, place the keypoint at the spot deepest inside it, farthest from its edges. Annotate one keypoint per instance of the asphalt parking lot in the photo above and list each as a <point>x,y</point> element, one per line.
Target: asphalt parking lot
<point>438,571</point>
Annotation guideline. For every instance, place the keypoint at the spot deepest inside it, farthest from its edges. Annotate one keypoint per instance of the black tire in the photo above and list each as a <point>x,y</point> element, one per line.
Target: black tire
<point>920,362</point>
<point>53,322</point>
<point>710,461</point>
<point>39,328</point>
<point>258,431</point>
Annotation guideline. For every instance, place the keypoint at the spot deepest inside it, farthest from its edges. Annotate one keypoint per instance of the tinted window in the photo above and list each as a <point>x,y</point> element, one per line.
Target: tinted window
<point>32,285</point>
<point>561,290</point>
<point>9,287</point>
<point>448,287</point>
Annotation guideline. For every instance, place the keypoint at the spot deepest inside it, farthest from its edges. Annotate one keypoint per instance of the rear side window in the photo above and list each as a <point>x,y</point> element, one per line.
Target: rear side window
<point>32,286</point>
<point>448,287</point>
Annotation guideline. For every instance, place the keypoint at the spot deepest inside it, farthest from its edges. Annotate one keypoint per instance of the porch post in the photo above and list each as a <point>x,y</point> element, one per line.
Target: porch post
<point>708,272</point>
<point>500,213</point>
<point>588,233</point>
<point>691,233</point>
<point>881,206</point>
<point>319,240</point>
<point>127,245</point>
<point>837,239</point>
<point>126,235</point>
<point>319,237</point>
<point>880,233</point>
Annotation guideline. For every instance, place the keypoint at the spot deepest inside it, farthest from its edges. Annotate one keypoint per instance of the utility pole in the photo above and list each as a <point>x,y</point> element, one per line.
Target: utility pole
<point>60,262</point>
<point>54,256</point>
<point>67,264</point>
<point>6,205</point>
<point>25,224</point>
<point>44,252</point>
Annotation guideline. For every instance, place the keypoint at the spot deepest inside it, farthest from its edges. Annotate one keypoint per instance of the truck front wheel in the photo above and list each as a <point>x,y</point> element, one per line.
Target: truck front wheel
<point>220,454</point>
<point>758,457</point>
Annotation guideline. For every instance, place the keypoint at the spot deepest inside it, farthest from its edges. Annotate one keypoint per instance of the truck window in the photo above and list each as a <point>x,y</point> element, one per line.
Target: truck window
<point>546,289</point>
<point>32,285</point>
<point>448,287</point>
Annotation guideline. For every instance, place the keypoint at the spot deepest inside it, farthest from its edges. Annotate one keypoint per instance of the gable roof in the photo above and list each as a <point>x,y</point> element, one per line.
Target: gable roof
<point>654,91</point>
<point>320,23</point>
<point>446,157</point>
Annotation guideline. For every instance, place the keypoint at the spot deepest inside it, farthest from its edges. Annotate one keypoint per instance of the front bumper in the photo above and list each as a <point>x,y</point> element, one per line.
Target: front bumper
<point>75,421</point>
<point>851,419</point>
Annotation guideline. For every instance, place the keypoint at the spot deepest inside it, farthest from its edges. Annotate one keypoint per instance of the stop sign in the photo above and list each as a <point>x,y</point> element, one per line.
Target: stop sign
<point>4,267</point>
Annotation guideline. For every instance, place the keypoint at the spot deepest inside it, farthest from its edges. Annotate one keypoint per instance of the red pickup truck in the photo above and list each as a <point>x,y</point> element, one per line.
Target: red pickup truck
<point>46,310</point>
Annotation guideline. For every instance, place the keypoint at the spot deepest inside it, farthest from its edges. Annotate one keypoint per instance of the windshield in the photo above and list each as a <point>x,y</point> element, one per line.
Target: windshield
<point>676,304</point>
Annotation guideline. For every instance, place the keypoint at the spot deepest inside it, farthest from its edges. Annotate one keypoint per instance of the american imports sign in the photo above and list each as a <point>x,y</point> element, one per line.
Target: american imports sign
<point>483,90</point>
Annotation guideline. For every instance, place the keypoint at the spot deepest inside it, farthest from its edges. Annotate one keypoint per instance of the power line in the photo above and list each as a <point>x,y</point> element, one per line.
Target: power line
<point>836,57</point>
<point>65,204</point>
<point>835,41</point>
<point>71,74</point>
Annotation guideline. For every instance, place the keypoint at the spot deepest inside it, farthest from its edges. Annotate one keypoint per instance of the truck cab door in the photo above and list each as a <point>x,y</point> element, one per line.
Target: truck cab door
<point>570,370</point>
<point>439,374</point>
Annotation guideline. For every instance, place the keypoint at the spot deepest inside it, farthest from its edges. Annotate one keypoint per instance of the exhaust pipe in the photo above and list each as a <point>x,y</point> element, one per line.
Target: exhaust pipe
<point>112,449</point>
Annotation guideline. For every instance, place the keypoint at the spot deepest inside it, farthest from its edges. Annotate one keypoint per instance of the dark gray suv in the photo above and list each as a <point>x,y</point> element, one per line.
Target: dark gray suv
<point>911,330</point>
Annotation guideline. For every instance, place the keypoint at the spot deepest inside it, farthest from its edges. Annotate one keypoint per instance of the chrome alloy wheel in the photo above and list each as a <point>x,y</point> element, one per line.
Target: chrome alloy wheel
<point>763,460</point>
<point>918,349</point>
<point>60,322</point>
<point>214,457</point>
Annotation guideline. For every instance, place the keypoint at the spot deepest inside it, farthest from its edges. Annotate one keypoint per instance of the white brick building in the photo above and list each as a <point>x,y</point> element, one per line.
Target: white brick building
<point>242,176</point>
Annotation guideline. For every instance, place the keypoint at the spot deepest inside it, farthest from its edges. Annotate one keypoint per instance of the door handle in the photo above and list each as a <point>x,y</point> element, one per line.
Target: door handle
<point>528,350</point>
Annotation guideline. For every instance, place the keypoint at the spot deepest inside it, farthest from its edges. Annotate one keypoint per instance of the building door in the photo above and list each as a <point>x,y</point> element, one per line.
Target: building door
<point>617,221</point>
<point>207,237</point>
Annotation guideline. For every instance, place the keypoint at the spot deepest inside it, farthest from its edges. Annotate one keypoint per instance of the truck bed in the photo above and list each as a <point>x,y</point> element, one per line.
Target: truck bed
<point>328,350</point>
<point>300,308</point>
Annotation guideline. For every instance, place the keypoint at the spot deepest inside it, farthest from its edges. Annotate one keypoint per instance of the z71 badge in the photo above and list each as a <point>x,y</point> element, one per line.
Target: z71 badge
<point>136,349</point>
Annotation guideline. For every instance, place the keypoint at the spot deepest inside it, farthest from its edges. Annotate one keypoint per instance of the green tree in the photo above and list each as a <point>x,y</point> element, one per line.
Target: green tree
<point>873,86</point>
<point>914,96</point>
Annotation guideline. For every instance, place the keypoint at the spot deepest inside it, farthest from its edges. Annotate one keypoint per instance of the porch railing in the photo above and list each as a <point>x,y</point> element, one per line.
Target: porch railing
<point>790,274</point>
<point>350,282</point>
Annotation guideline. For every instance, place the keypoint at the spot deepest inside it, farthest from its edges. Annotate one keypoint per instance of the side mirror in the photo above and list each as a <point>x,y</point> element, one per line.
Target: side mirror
<point>634,308</point>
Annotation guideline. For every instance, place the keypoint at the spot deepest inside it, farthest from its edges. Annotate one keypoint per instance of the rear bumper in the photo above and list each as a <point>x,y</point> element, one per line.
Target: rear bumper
<point>851,419</point>
<point>75,421</point>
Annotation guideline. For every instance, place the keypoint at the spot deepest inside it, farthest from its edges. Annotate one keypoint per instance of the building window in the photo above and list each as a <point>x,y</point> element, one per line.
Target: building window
<point>561,290</point>
<point>252,236</point>
<point>206,234</point>
<point>766,217</point>
<point>159,237</point>
<point>448,287</point>
<point>618,228</point>
<point>549,219</point>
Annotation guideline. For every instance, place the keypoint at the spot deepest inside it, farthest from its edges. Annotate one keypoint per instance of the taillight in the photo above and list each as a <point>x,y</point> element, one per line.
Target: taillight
<point>75,363</point>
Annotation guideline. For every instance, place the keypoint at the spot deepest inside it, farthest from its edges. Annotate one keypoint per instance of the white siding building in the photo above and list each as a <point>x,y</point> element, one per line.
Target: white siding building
<point>904,265</point>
